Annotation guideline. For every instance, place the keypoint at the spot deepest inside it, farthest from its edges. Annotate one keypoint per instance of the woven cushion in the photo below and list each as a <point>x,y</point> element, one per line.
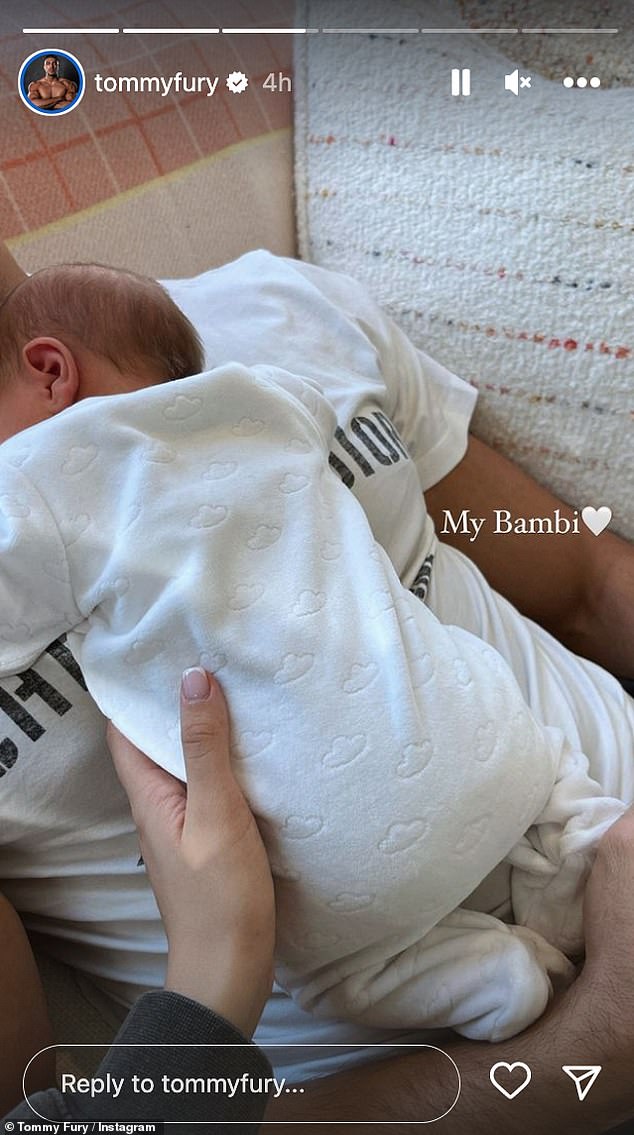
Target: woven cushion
<point>495,229</point>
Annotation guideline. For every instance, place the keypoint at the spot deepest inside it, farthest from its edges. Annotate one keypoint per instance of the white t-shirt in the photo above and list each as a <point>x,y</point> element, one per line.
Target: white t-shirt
<point>64,844</point>
<point>325,326</point>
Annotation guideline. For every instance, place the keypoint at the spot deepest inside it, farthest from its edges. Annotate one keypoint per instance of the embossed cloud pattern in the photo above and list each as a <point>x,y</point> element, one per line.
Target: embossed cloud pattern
<point>206,526</point>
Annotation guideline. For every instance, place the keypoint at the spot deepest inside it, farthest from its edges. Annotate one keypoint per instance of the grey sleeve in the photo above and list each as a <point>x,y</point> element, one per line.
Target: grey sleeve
<point>163,1019</point>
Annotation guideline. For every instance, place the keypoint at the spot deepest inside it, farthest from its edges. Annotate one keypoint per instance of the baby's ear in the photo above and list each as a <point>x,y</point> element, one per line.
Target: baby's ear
<point>53,367</point>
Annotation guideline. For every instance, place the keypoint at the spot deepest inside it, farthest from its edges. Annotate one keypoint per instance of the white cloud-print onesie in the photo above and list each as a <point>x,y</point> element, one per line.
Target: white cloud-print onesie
<point>391,761</point>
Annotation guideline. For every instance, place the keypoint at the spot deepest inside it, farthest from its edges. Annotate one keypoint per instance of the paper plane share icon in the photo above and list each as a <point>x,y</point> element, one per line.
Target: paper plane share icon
<point>583,1076</point>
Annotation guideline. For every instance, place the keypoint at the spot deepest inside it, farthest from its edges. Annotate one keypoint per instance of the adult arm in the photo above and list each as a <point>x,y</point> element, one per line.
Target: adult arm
<point>578,586</point>
<point>213,885</point>
<point>592,1023</point>
<point>206,861</point>
<point>157,1018</point>
<point>39,100</point>
<point>44,104</point>
<point>71,91</point>
<point>24,1023</point>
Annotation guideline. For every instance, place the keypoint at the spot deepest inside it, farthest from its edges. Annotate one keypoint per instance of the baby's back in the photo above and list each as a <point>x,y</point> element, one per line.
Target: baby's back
<point>200,523</point>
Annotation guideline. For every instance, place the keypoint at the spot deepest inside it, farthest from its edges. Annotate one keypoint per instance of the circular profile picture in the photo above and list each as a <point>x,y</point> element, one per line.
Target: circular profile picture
<point>51,82</point>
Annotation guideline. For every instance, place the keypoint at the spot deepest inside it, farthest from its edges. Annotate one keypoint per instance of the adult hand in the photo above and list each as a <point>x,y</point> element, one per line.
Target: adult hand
<point>609,928</point>
<point>205,860</point>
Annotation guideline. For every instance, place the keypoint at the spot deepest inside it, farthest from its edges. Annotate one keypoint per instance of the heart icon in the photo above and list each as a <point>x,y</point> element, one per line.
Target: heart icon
<point>596,519</point>
<point>510,1068</point>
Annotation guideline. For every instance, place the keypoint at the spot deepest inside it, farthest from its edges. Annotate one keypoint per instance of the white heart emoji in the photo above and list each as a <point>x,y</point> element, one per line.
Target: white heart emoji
<point>596,519</point>
<point>526,1079</point>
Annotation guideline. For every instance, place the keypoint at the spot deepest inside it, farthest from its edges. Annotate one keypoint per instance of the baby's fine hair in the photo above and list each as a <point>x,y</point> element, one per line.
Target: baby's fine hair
<point>118,315</point>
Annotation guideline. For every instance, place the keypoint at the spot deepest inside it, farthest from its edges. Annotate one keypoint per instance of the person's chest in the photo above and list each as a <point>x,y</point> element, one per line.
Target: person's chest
<point>283,322</point>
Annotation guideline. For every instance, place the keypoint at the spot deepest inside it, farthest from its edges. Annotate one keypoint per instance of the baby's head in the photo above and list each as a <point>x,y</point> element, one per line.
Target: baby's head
<point>78,330</point>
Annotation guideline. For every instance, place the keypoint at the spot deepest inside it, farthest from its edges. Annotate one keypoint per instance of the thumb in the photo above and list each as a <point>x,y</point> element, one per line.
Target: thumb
<point>211,786</point>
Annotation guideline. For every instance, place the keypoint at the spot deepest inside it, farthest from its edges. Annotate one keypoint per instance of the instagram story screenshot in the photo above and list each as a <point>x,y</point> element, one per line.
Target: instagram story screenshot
<point>317,566</point>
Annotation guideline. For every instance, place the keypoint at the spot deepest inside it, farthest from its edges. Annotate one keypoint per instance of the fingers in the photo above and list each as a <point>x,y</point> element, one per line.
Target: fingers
<point>130,763</point>
<point>145,784</point>
<point>214,798</point>
<point>212,790</point>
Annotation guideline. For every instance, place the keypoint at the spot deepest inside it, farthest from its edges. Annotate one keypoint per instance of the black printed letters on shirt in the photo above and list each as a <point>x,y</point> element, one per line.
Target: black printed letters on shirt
<point>32,683</point>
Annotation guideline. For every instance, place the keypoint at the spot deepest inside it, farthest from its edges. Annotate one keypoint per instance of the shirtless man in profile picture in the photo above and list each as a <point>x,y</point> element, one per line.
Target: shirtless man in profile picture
<point>52,92</point>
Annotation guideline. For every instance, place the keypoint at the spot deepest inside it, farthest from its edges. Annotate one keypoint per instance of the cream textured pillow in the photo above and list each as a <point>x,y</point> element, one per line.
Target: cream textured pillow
<point>497,230</point>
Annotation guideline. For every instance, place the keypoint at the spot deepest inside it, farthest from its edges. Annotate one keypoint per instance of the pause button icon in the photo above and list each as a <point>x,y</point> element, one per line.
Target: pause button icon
<point>460,81</point>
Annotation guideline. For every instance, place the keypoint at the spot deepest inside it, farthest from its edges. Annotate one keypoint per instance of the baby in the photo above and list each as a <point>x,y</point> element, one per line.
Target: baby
<point>167,523</point>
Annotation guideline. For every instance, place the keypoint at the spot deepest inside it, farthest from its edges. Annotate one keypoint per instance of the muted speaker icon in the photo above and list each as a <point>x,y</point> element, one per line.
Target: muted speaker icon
<point>514,82</point>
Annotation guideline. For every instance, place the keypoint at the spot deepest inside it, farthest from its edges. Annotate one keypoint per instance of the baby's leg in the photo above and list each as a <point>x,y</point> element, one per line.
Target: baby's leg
<point>553,860</point>
<point>471,973</point>
<point>589,706</point>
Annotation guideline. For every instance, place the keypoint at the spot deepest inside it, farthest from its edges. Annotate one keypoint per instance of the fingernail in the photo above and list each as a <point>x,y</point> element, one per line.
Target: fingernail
<point>195,684</point>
